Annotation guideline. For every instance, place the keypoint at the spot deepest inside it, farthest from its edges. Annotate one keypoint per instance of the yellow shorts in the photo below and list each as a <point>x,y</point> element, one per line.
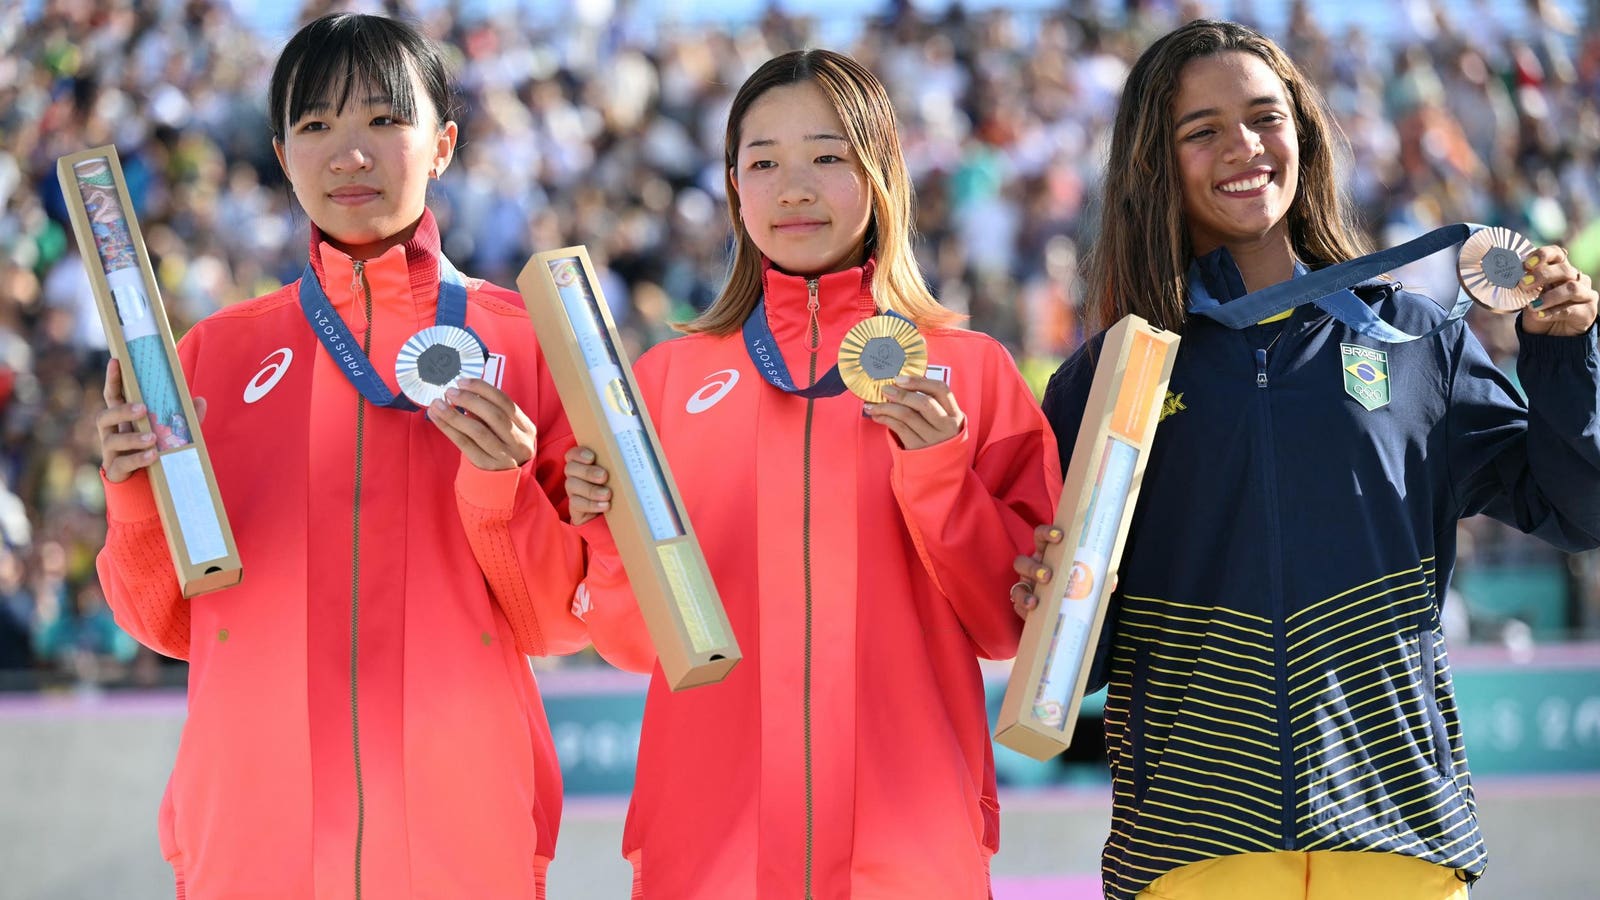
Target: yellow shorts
<point>1321,875</point>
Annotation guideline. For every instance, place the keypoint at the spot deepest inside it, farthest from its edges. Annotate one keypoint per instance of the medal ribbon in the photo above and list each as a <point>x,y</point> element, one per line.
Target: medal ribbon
<point>345,350</point>
<point>768,360</point>
<point>1329,289</point>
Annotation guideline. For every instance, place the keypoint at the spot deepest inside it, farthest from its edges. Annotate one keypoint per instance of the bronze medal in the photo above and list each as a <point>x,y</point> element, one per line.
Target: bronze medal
<point>1490,267</point>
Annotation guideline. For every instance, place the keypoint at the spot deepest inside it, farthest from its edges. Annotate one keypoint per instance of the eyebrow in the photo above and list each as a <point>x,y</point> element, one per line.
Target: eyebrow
<point>1266,100</point>
<point>769,142</point>
<point>322,106</point>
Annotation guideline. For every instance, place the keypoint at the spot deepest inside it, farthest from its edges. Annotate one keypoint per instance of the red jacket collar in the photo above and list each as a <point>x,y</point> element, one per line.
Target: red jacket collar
<point>844,298</point>
<point>420,254</point>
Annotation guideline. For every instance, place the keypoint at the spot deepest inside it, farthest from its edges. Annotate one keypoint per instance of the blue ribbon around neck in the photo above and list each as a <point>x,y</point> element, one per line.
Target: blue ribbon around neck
<point>1329,289</point>
<point>346,351</point>
<point>768,359</point>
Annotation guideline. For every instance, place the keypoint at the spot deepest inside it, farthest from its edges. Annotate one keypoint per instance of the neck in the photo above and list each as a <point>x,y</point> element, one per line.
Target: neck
<point>372,249</point>
<point>1261,263</point>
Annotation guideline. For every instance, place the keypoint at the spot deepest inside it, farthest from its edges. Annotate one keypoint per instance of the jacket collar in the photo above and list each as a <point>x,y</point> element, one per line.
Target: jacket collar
<point>844,298</point>
<point>405,278</point>
<point>1214,278</point>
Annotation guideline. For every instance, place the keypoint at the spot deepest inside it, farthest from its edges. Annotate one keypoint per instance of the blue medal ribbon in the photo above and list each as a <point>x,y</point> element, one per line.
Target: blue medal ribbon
<point>1329,289</point>
<point>346,351</point>
<point>768,359</point>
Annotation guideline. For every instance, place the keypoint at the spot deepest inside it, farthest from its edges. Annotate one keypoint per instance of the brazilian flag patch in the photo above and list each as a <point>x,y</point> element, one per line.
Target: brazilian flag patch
<point>1366,375</point>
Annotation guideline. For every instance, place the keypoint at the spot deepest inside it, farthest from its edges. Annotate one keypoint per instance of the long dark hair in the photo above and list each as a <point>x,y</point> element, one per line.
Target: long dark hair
<point>1139,261</point>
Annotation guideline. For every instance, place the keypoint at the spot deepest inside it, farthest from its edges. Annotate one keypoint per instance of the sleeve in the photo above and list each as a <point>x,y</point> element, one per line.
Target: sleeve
<point>1534,467</point>
<point>616,625</point>
<point>606,598</point>
<point>1065,400</point>
<point>515,521</point>
<point>136,572</point>
<point>971,504</point>
<point>135,566</point>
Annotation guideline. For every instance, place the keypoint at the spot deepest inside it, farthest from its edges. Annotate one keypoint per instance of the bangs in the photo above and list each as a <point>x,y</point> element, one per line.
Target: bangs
<point>331,80</point>
<point>345,58</point>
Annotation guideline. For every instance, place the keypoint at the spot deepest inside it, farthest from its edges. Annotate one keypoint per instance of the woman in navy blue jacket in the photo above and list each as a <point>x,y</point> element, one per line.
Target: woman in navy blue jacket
<point>1280,720</point>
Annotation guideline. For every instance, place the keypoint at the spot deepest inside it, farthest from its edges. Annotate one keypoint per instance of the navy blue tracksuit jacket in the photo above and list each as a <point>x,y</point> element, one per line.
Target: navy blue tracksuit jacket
<point>1278,677</point>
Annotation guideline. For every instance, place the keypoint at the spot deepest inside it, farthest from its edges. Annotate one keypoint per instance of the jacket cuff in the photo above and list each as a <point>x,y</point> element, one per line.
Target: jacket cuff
<point>1543,349</point>
<point>132,501</point>
<point>953,455</point>
<point>494,490</point>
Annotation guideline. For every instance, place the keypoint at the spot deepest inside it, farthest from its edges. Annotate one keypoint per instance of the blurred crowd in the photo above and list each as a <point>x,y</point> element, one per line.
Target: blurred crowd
<point>606,130</point>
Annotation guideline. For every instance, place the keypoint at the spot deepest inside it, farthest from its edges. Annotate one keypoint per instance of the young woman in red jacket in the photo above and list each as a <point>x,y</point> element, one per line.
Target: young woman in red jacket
<point>362,720</point>
<point>862,551</point>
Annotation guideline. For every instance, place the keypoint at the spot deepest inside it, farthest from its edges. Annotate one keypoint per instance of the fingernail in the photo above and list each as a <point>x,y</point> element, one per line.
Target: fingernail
<point>602,505</point>
<point>902,380</point>
<point>148,436</point>
<point>1531,261</point>
<point>138,409</point>
<point>1031,602</point>
<point>587,456</point>
<point>605,494</point>
<point>866,409</point>
<point>1041,574</point>
<point>1055,534</point>
<point>1527,279</point>
<point>891,392</point>
<point>1537,302</point>
<point>451,394</point>
<point>1543,314</point>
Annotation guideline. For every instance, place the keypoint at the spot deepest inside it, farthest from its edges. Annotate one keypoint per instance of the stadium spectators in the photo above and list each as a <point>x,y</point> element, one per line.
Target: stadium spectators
<point>605,130</point>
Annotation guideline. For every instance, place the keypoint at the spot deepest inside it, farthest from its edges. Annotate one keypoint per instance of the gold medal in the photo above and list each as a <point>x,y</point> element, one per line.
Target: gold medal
<point>1491,270</point>
<point>877,351</point>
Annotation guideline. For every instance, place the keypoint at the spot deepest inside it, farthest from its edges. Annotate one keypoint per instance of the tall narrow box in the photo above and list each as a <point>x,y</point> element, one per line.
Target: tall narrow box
<point>658,546</point>
<point>1097,502</point>
<point>198,535</point>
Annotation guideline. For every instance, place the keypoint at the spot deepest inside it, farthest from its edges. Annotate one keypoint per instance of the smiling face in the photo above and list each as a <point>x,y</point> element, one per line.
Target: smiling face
<point>362,172</point>
<point>803,196</point>
<point>1237,152</point>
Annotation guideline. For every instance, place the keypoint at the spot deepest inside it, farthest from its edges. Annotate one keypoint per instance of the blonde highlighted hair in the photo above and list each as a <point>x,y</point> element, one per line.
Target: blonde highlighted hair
<point>869,123</point>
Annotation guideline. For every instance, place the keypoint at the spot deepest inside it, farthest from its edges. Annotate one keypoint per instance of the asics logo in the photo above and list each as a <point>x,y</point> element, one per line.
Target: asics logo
<point>276,364</point>
<point>711,393</point>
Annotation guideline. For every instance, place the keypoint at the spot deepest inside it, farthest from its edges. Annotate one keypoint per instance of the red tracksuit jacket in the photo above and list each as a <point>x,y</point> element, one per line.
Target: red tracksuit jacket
<point>849,750</point>
<point>461,573</point>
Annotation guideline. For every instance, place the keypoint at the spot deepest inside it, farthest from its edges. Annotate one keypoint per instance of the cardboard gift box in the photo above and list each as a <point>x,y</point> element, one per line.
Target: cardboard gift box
<point>1097,502</point>
<point>657,543</point>
<point>196,525</point>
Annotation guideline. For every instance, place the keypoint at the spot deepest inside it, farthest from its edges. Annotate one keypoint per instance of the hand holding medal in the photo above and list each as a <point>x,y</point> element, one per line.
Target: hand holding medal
<point>921,411</point>
<point>883,360</point>
<point>1506,273</point>
<point>492,430</point>
<point>441,369</point>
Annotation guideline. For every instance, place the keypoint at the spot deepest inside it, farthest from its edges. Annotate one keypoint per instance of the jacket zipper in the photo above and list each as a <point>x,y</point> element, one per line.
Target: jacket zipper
<point>358,284</point>
<point>814,336</point>
<point>814,340</point>
<point>1275,586</point>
